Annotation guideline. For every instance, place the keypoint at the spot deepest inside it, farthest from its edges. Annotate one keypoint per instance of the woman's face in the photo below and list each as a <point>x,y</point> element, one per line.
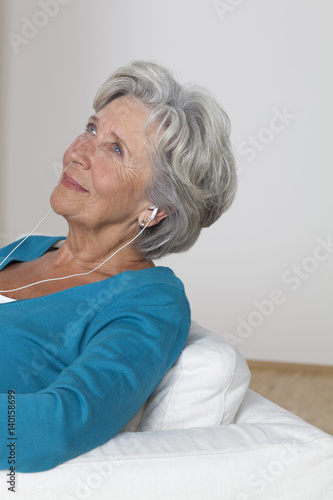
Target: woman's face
<point>107,168</point>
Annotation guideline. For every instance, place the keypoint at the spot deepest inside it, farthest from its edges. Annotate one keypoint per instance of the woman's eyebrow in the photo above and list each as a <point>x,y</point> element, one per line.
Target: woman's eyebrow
<point>95,119</point>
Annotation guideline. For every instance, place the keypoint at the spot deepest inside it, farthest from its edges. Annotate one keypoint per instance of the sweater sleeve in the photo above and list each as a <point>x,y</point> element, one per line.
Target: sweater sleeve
<point>92,400</point>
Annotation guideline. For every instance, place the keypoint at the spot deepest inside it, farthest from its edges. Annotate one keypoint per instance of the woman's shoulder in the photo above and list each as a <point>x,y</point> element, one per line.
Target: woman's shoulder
<point>153,288</point>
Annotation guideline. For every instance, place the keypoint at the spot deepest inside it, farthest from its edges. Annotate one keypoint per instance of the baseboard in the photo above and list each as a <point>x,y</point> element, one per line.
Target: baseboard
<point>281,366</point>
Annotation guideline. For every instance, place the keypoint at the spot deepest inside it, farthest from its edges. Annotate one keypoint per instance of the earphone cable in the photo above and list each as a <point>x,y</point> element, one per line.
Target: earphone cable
<point>22,241</point>
<point>72,275</point>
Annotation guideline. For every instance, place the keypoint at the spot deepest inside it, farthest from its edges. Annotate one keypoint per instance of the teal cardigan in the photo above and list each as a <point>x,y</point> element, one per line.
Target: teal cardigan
<point>83,361</point>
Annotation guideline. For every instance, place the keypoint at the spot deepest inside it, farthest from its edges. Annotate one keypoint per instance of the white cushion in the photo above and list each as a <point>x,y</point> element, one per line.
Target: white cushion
<point>204,388</point>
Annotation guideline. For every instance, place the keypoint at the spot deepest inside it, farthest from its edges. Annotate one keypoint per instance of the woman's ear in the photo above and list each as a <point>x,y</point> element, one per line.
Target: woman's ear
<point>154,215</point>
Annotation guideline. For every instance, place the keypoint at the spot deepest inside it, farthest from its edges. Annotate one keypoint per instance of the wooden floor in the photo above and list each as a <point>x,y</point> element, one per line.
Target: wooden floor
<point>305,390</point>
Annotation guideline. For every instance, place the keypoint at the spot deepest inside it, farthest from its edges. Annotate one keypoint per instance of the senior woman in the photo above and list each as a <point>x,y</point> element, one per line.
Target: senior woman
<point>90,326</point>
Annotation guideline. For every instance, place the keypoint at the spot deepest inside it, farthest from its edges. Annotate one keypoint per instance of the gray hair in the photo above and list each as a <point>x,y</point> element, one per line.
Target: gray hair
<point>194,176</point>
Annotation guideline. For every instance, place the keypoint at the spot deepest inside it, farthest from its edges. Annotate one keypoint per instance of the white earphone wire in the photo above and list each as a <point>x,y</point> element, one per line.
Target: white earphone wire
<point>34,229</point>
<point>72,275</point>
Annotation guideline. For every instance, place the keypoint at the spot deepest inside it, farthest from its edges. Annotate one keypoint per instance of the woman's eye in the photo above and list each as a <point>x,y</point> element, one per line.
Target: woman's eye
<point>117,149</point>
<point>90,127</point>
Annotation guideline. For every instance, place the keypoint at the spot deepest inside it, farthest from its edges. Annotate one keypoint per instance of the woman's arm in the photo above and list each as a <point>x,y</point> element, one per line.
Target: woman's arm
<point>94,398</point>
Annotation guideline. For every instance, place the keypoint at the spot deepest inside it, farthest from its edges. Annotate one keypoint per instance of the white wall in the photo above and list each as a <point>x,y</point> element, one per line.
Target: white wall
<point>262,59</point>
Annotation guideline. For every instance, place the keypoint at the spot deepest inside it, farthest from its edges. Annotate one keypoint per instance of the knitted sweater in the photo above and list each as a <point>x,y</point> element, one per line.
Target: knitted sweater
<point>77,365</point>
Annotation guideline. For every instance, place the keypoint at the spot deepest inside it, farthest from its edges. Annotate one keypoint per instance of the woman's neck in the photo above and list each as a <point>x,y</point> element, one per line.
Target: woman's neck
<point>83,251</point>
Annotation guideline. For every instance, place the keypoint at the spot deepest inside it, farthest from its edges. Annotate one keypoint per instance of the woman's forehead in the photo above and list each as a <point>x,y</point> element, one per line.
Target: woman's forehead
<point>127,117</point>
<point>126,110</point>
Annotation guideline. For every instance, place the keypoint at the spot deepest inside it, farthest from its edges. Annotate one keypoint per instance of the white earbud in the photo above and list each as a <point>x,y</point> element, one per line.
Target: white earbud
<point>155,210</point>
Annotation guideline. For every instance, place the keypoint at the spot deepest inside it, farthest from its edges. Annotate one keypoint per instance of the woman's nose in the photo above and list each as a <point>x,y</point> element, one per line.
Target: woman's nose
<point>82,153</point>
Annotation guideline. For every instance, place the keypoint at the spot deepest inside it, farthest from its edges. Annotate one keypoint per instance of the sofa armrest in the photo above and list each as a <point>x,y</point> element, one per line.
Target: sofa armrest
<point>256,409</point>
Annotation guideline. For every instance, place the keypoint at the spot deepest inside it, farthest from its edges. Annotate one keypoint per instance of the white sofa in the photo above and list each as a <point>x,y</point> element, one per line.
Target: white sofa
<point>202,435</point>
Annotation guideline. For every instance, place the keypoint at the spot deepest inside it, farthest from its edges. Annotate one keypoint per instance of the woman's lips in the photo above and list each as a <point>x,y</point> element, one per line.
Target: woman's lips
<point>70,183</point>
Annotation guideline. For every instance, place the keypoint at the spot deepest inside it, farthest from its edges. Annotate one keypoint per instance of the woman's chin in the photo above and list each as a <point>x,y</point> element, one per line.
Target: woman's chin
<point>66,207</point>
<point>54,200</point>
<point>58,202</point>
